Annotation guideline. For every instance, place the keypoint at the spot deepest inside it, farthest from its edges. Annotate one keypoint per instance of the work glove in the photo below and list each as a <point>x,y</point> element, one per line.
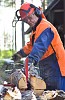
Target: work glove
<point>32,70</point>
<point>16,57</point>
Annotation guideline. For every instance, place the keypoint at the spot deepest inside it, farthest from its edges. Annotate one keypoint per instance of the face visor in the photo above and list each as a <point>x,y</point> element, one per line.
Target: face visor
<point>22,14</point>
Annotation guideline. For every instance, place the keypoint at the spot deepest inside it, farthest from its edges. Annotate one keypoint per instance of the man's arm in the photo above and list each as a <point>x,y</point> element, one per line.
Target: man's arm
<point>41,45</point>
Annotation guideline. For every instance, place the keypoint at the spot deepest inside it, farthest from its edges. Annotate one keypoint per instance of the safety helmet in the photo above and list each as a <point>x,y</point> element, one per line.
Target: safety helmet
<point>25,10</point>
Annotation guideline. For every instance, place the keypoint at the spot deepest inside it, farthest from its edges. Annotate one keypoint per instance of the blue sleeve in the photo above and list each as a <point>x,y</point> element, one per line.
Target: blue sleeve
<point>41,45</point>
<point>22,53</point>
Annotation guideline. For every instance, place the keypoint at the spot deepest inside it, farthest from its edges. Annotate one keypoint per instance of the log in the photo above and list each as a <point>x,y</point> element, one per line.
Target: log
<point>19,79</point>
<point>37,84</point>
<point>7,97</point>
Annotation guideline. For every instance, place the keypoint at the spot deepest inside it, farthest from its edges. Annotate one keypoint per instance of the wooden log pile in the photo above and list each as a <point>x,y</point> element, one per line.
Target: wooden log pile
<point>37,91</point>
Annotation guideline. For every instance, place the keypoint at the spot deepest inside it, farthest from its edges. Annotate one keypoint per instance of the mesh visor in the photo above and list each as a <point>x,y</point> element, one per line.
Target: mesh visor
<point>24,13</point>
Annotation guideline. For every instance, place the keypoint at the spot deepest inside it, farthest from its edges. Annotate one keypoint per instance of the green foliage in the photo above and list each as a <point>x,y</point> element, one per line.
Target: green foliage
<point>6,53</point>
<point>1,63</point>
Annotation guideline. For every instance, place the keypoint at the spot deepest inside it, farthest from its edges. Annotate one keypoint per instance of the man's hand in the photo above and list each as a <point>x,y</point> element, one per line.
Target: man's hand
<point>16,57</point>
<point>32,70</point>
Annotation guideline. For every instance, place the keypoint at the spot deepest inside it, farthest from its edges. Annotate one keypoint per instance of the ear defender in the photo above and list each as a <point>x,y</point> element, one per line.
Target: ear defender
<point>37,10</point>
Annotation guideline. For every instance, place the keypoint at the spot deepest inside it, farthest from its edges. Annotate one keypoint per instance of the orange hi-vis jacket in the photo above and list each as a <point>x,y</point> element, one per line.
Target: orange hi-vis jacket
<point>56,44</point>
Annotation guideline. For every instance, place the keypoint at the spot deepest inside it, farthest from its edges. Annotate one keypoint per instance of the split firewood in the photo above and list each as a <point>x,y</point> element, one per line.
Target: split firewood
<point>7,97</point>
<point>19,79</point>
<point>37,84</point>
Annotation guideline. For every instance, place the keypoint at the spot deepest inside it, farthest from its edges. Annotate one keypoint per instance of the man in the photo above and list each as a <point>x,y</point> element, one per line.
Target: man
<point>45,47</point>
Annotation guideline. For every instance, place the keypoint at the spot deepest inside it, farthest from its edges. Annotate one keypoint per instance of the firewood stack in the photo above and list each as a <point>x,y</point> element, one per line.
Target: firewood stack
<point>19,79</point>
<point>30,95</point>
<point>37,91</point>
